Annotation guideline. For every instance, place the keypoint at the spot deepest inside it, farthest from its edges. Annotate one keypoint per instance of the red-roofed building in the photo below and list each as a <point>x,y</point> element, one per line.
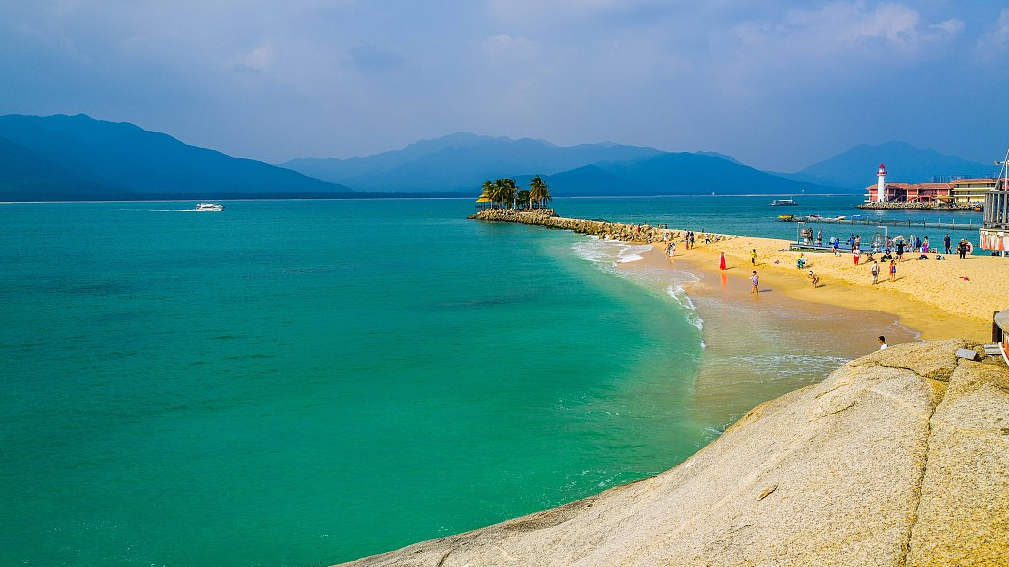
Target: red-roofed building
<point>962,192</point>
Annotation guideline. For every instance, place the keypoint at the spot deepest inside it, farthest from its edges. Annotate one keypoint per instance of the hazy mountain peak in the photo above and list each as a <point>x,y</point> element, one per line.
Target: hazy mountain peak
<point>856,168</point>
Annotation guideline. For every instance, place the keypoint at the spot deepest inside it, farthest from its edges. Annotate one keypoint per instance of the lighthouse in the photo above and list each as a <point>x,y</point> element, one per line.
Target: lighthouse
<point>881,185</point>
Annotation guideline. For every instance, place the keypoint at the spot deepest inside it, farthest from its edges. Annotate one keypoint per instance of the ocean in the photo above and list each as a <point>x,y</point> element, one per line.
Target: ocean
<point>294,383</point>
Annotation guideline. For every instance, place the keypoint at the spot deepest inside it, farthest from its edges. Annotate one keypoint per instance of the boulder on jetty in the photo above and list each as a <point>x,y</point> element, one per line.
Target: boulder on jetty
<point>643,233</point>
<point>897,458</point>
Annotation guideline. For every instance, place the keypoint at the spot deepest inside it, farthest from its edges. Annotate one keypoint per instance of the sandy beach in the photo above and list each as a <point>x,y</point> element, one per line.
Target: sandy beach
<point>940,298</point>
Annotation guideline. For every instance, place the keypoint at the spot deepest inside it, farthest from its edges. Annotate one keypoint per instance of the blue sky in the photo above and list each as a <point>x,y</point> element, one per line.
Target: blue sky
<point>776,84</point>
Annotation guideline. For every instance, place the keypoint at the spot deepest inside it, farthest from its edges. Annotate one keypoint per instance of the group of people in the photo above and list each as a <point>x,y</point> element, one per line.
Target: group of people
<point>875,271</point>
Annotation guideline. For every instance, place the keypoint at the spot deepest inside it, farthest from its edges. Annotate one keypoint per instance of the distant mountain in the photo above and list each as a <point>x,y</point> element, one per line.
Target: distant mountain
<point>719,155</point>
<point>674,174</point>
<point>460,162</point>
<point>77,157</point>
<point>856,168</point>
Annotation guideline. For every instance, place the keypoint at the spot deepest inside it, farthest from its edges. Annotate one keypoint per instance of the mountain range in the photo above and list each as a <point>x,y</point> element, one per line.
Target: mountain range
<point>79,158</point>
<point>462,161</point>
<point>76,157</point>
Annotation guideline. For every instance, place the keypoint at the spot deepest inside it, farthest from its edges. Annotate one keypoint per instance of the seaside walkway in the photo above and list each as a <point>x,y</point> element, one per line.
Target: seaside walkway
<point>969,225</point>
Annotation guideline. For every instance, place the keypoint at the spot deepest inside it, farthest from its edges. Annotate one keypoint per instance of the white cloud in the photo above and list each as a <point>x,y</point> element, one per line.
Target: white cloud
<point>260,58</point>
<point>994,42</point>
<point>504,48</point>
<point>841,27</point>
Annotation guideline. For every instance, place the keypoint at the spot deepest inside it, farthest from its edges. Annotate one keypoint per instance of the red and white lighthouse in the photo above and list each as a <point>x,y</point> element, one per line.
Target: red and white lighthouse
<point>881,185</point>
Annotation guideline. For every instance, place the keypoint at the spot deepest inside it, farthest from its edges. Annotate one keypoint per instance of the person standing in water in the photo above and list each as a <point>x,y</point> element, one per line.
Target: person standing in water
<point>753,282</point>
<point>721,261</point>
<point>882,342</point>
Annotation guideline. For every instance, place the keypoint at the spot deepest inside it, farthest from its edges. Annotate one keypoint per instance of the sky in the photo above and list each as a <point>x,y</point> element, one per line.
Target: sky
<point>778,85</point>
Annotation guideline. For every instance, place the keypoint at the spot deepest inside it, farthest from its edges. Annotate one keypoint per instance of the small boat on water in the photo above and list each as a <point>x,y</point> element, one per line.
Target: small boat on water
<point>786,218</point>
<point>209,207</point>
<point>783,203</point>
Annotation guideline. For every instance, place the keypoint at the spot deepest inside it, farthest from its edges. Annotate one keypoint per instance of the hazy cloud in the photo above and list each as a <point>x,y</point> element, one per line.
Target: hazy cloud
<point>778,83</point>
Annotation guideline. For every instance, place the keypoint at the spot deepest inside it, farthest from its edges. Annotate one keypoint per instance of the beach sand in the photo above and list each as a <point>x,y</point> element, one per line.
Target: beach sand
<point>940,298</point>
<point>759,347</point>
<point>790,334</point>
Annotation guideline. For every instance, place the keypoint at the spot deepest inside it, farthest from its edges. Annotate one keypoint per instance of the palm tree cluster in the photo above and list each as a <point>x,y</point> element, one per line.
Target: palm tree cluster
<point>506,193</point>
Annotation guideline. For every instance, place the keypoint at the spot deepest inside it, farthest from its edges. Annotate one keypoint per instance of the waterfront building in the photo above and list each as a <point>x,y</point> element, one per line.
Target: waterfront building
<point>970,192</point>
<point>484,202</point>
<point>995,230</point>
<point>959,192</point>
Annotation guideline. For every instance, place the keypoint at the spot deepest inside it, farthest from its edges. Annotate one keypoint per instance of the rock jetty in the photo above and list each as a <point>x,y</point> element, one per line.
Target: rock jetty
<point>899,458</point>
<point>644,234</point>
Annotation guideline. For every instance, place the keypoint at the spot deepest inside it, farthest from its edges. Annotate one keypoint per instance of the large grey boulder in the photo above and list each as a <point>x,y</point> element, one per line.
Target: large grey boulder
<point>898,458</point>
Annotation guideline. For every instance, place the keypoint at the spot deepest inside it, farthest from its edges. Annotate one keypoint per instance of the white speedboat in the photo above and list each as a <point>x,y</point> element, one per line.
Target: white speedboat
<point>783,203</point>
<point>209,207</point>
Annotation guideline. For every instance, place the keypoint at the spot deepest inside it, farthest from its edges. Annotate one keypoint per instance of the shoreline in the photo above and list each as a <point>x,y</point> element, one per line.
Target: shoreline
<point>925,297</point>
<point>941,298</point>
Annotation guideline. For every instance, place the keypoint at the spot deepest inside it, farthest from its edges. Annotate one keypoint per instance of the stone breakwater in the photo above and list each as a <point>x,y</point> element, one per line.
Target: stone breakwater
<point>644,234</point>
<point>899,458</point>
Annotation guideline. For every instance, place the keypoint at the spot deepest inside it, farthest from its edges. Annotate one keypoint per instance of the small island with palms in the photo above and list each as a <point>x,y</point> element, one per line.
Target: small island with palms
<point>506,194</point>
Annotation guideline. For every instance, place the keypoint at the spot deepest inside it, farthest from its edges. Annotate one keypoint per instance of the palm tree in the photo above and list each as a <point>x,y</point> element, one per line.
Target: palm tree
<point>539,191</point>
<point>504,190</point>
<point>524,198</point>
<point>488,191</point>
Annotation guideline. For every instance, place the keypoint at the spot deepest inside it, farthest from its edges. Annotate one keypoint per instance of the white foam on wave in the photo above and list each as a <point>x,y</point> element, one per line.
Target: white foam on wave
<point>608,253</point>
<point>680,296</point>
<point>632,253</point>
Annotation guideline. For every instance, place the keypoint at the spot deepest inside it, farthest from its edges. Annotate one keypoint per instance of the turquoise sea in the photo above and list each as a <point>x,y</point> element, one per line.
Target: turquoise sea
<point>294,383</point>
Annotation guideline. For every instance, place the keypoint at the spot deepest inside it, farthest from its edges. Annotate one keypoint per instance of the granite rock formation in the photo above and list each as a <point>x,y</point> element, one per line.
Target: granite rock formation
<point>897,458</point>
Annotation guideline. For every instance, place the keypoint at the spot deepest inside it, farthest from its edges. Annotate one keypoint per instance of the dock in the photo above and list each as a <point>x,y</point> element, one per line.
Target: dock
<point>969,225</point>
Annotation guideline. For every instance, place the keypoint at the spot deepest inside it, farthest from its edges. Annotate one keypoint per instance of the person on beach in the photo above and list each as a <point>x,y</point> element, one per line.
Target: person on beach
<point>962,248</point>
<point>819,237</point>
<point>814,278</point>
<point>882,342</point>
<point>900,250</point>
<point>753,282</point>
<point>875,272</point>
<point>721,261</point>
<point>924,245</point>
<point>855,254</point>
<point>946,243</point>
<point>753,257</point>
<point>893,270</point>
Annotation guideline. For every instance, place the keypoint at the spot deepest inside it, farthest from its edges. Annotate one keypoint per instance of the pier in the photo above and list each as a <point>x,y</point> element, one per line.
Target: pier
<point>969,225</point>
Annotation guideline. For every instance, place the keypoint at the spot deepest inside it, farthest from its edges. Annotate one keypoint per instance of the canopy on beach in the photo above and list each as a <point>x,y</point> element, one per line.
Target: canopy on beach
<point>1002,320</point>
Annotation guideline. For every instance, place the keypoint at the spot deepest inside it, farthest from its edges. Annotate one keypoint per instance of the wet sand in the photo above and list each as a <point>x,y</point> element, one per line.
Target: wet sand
<point>760,346</point>
<point>941,298</point>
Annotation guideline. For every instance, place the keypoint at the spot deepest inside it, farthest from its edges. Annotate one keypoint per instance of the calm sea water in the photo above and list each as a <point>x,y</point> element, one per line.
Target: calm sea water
<point>302,383</point>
